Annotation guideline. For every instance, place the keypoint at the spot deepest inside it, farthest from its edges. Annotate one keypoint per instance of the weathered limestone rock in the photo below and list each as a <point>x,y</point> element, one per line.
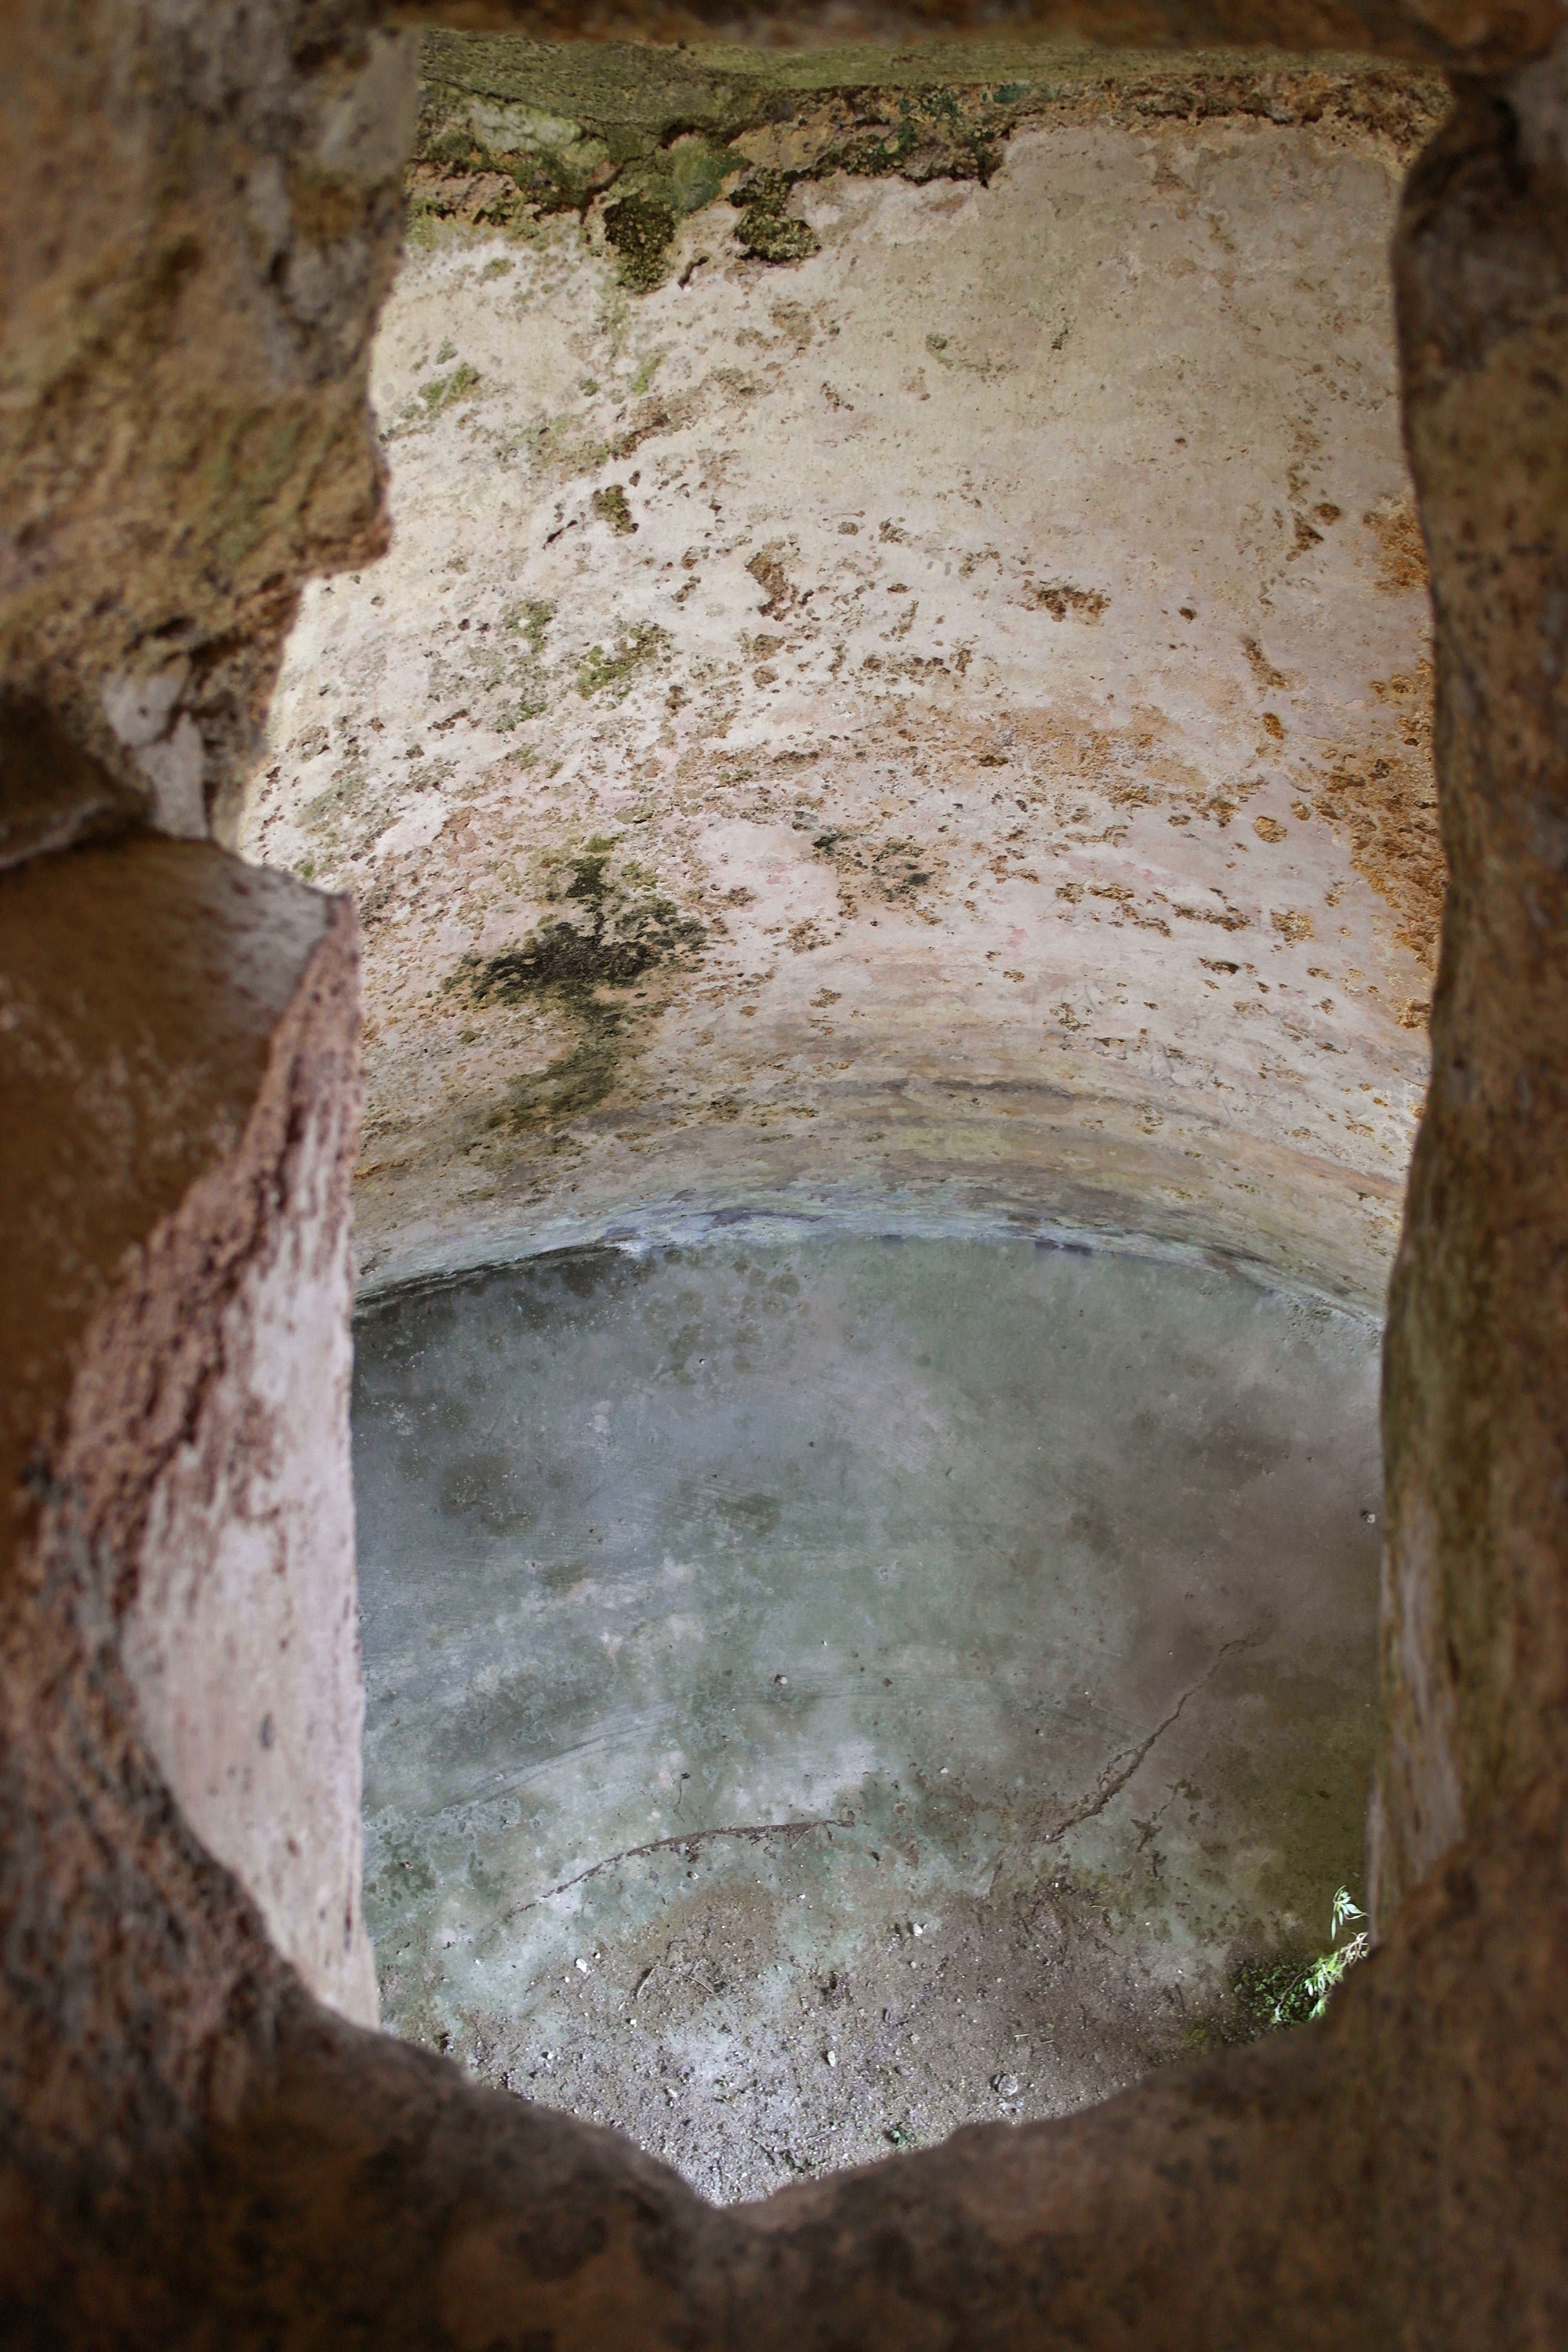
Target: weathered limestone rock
<point>201,219</point>
<point>181,1114</point>
<point>981,767</point>
<point>192,2150</point>
<point>1476,1584</point>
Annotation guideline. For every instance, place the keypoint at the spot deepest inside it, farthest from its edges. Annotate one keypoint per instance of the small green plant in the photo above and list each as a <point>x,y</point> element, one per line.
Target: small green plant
<point>1283,1992</point>
<point>1329,1969</point>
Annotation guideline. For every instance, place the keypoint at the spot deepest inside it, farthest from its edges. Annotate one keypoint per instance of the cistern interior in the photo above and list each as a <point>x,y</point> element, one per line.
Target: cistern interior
<point>946,714</point>
<point>886,780</point>
<point>783,909</point>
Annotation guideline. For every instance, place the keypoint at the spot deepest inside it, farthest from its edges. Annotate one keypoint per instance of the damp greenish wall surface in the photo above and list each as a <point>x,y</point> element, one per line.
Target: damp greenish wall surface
<point>510,129</point>
<point>956,1656</point>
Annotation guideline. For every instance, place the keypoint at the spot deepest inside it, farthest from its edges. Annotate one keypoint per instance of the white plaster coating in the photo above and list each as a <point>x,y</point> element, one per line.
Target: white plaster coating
<point>170,752</point>
<point>177,770</point>
<point>243,1638</point>
<point>140,708</point>
<point>1081,565</point>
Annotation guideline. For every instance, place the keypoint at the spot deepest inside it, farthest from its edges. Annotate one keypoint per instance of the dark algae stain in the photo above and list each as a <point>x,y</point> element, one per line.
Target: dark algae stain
<point>615,931</point>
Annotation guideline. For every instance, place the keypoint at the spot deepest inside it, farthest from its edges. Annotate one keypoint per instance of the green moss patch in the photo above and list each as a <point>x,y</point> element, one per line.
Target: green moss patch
<point>640,228</point>
<point>512,129</point>
<point>764,228</point>
<point>432,400</point>
<point>610,505</point>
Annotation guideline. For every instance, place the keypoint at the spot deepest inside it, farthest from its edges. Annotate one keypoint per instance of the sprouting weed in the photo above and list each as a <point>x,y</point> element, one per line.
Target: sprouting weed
<point>1280,1994</point>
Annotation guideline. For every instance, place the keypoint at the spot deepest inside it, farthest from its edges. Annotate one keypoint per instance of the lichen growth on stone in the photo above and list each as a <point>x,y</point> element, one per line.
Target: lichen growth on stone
<point>602,673</point>
<point>610,505</point>
<point>433,399</point>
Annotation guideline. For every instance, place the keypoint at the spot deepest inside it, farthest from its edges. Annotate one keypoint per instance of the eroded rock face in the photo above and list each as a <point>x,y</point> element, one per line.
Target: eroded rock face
<point>200,225</point>
<point>178,1559</point>
<point>943,721</point>
<point>1476,1639</point>
<point>182,1114</point>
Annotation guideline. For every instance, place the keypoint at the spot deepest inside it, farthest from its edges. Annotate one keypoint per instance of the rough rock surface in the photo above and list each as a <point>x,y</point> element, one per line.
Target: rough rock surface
<point>188,287</point>
<point>513,129</point>
<point>1476,1611</point>
<point>1452,33</point>
<point>180,1129</point>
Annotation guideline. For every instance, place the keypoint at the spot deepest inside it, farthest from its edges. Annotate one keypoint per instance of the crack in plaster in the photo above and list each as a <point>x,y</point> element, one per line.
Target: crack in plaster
<point>755,1832</point>
<point>1111,1782</point>
<point>1109,1788</point>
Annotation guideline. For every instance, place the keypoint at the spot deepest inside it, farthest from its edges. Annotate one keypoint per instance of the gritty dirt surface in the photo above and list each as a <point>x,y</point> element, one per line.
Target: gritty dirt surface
<point>1000,2011</point>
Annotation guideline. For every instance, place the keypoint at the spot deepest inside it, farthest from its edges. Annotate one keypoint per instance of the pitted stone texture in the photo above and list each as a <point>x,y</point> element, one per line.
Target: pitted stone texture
<point>998,643</point>
<point>181,1121</point>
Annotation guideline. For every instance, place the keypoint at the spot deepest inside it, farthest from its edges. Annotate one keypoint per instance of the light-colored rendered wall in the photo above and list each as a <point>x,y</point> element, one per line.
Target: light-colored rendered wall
<point>1024,623</point>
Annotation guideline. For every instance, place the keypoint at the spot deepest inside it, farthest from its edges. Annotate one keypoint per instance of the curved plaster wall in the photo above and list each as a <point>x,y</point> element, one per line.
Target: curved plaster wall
<point>930,736</point>
<point>943,722</point>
